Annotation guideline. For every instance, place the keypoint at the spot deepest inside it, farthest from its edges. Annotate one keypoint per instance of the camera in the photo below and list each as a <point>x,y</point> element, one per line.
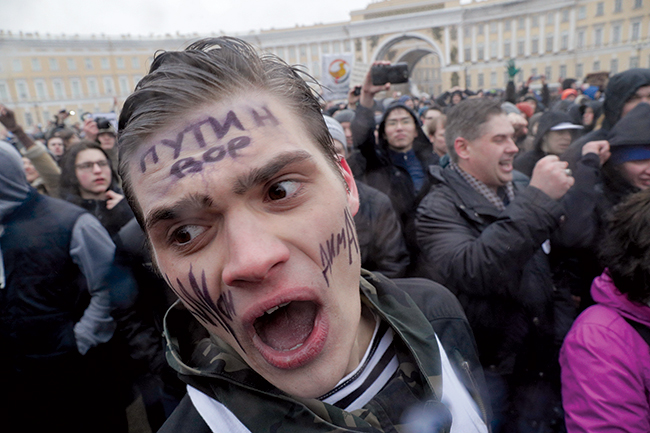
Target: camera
<point>103,123</point>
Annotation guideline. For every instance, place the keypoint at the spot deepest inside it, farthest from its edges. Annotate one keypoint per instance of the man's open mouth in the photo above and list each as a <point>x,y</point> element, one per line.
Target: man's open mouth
<point>286,326</point>
<point>290,334</point>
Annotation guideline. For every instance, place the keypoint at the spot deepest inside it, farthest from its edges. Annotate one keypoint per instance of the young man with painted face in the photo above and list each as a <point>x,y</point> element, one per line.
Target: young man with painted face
<point>230,169</point>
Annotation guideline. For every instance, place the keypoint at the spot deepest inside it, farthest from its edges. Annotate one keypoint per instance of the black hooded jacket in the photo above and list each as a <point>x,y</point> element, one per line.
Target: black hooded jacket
<point>382,174</point>
<point>525,162</point>
<point>619,89</point>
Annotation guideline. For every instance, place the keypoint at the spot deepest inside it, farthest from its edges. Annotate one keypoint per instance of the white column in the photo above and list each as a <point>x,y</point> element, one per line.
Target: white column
<point>364,49</point>
<point>527,41</point>
<point>460,34</point>
<point>542,33</point>
<point>572,28</point>
<point>556,35</point>
<point>447,45</point>
<point>500,40</point>
<point>474,55</point>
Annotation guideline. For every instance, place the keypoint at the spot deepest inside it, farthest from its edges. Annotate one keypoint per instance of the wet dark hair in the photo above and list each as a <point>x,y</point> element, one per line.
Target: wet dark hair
<point>626,248</point>
<point>206,72</point>
<point>69,182</point>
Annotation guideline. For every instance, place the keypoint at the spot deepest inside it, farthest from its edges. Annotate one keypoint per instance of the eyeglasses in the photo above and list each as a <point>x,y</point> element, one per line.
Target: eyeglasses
<point>88,166</point>
<point>407,121</point>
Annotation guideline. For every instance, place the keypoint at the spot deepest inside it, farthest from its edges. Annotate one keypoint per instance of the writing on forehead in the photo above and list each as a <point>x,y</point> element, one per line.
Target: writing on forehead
<point>209,129</point>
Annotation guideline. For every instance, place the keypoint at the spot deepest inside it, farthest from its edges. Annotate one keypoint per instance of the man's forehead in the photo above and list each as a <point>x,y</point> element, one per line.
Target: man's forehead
<point>398,113</point>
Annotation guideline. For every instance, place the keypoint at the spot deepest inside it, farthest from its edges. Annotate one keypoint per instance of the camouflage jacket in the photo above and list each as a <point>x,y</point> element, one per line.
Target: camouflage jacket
<point>216,369</point>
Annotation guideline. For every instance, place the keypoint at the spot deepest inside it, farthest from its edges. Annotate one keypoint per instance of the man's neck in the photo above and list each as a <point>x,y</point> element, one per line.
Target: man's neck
<point>364,337</point>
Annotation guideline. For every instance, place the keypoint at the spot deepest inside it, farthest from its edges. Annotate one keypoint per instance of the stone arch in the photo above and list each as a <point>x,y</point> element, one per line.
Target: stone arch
<point>382,51</point>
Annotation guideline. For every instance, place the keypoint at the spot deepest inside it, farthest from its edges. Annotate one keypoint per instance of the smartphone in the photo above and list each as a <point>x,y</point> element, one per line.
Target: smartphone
<point>357,90</point>
<point>397,73</point>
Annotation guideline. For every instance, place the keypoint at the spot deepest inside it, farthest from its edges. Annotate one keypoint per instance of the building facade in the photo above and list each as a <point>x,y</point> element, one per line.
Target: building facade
<point>445,43</point>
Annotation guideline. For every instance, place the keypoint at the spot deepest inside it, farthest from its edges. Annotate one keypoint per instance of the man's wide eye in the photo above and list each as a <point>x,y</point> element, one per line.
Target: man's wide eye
<point>282,190</point>
<point>184,235</point>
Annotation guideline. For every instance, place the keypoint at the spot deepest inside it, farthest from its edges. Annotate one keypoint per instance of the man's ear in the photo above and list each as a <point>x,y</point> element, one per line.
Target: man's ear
<point>353,193</point>
<point>462,148</point>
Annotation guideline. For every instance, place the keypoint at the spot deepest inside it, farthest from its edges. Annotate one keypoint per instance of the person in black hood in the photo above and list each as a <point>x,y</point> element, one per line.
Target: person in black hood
<point>89,180</point>
<point>624,91</point>
<point>397,162</point>
<point>586,114</point>
<point>554,135</point>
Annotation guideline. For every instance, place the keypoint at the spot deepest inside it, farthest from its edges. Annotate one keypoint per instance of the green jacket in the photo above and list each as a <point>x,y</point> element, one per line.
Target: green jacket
<point>213,367</point>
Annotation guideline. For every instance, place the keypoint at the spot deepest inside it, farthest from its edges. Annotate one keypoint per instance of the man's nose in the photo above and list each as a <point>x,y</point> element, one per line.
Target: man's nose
<point>253,249</point>
<point>96,168</point>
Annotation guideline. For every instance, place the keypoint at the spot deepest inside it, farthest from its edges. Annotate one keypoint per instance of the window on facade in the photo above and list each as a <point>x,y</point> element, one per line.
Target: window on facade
<point>493,79</point>
<point>549,43</point>
<point>493,27</point>
<point>4,92</point>
<point>534,45</point>
<point>480,29</point>
<point>468,81</point>
<point>634,62</point>
<point>520,76</point>
<point>124,85</point>
<point>467,31</point>
<point>579,70</point>
<point>109,89</point>
<point>582,12</point>
<point>533,71</point>
<point>72,65</point>
<point>521,24</point>
<point>75,85</point>
<point>616,33</point>
<point>336,48</point>
<point>16,65</point>
<point>550,18</point>
<point>135,62</point>
<point>89,63</point>
<point>636,31</point>
<point>638,4</point>
<point>506,49</point>
<point>580,40</point>
<point>480,51</point>
<point>600,9</point>
<point>325,47</point>
<point>54,65</point>
<point>105,63</point>
<point>481,82</point>
<point>548,71</point>
<point>596,66</point>
<point>29,120</point>
<point>565,15</point>
<point>40,90</point>
<point>494,48</point>
<point>520,48</point>
<point>563,73</point>
<point>618,5</point>
<point>613,66</point>
<point>468,54</point>
<point>535,21</point>
<point>119,61</point>
<point>347,46</point>
<point>92,87</point>
<point>565,41</point>
<point>507,25</point>
<point>598,37</point>
<point>36,64</point>
<point>58,89</point>
<point>280,51</point>
<point>292,53</point>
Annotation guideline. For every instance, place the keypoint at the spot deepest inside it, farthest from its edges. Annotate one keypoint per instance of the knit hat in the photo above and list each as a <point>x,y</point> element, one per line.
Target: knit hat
<point>569,92</point>
<point>346,115</point>
<point>526,109</point>
<point>336,131</point>
<point>629,140</point>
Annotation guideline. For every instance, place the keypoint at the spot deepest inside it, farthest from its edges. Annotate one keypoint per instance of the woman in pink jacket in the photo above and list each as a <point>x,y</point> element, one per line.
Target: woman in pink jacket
<point>605,361</point>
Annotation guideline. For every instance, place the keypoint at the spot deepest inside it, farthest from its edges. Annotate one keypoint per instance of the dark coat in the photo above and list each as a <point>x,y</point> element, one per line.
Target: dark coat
<point>382,174</point>
<point>381,240</point>
<point>493,262</point>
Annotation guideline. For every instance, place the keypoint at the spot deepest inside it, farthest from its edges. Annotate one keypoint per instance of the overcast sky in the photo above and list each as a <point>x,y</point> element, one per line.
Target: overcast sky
<point>142,17</point>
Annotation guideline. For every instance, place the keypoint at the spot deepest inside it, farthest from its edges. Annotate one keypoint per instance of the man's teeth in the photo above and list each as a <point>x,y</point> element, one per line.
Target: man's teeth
<point>274,309</point>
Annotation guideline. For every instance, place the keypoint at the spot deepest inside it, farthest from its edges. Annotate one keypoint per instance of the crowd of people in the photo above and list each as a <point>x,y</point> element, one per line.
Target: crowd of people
<point>531,207</point>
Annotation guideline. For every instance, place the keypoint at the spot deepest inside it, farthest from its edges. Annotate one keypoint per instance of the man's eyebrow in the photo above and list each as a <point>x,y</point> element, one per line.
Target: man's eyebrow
<point>261,175</point>
<point>166,213</point>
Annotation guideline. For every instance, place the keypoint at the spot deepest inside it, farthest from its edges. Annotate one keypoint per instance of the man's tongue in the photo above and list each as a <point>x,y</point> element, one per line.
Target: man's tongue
<point>287,327</point>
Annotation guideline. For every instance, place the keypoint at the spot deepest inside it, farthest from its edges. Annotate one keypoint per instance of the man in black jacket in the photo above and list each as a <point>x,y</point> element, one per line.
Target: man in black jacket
<point>487,240</point>
<point>396,161</point>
